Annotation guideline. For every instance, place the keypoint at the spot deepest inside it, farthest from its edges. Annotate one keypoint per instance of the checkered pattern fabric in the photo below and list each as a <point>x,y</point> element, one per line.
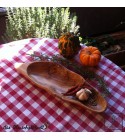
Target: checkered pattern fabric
<point>25,107</point>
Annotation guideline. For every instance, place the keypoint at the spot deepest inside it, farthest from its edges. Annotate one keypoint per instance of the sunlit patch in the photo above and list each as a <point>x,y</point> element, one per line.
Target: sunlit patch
<point>11,49</point>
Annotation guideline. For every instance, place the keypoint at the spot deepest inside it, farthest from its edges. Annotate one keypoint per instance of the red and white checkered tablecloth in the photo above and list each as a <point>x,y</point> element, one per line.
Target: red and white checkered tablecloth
<point>25,107</point>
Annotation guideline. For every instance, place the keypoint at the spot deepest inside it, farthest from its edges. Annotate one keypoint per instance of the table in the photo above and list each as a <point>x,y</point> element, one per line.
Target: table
<point>25,107</point>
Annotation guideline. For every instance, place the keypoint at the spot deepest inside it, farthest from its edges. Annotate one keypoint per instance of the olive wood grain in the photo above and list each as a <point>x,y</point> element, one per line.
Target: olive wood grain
<point>56,80</point>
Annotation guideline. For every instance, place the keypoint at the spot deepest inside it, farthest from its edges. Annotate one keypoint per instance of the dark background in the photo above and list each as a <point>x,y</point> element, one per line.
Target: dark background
<point>2,25</point>
<point>99,20</point>
<point>93,21</point>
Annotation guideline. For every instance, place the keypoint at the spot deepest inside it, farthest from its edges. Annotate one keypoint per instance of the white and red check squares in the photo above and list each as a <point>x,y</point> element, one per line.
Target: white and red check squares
<point>25,107</point>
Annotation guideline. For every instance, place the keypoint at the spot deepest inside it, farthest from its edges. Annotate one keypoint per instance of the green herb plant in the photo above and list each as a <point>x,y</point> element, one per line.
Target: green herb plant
<point>36,22</point>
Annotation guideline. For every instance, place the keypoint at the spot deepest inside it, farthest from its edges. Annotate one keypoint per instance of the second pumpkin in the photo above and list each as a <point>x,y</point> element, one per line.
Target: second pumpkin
<point>90,56</point>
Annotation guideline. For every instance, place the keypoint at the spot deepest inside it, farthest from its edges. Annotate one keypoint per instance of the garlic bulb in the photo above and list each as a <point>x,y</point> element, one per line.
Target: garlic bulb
<point>83,94</point>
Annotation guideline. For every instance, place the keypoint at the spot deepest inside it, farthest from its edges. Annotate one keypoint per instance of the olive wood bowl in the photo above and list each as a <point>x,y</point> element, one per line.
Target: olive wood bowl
<point>58,80</point>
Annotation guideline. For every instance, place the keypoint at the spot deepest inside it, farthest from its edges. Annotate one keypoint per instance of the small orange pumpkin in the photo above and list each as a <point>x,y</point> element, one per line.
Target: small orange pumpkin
<point>90,56</point>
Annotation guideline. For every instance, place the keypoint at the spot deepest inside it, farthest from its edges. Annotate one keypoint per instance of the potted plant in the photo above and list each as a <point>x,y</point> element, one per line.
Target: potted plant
<point>38,22</point>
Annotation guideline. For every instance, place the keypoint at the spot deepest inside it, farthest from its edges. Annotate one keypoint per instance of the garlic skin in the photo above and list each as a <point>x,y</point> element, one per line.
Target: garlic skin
<point>87,91</point>
<point>83,94</point>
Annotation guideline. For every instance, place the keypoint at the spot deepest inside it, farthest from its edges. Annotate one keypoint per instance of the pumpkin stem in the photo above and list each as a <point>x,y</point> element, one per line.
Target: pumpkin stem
<point>88,52</point>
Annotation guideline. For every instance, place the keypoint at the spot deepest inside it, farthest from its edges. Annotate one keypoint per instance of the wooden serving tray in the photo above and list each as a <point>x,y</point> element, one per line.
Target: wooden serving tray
<point>58,80</point>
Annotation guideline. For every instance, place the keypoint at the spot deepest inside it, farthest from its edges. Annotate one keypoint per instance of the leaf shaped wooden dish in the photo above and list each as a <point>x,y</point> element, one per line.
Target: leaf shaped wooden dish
<point>58,80</point>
